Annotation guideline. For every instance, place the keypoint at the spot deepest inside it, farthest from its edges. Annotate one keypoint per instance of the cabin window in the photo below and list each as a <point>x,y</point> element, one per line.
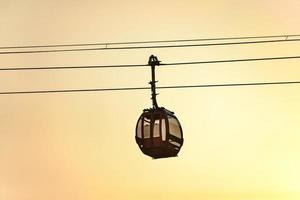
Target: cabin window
<point>139,128</point>
<point>146,128</point>
<point>174,127</point>
<point>156,128</point>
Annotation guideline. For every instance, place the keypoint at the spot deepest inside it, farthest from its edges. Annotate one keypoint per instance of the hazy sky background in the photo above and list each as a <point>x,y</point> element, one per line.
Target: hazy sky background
<point>240,143</point>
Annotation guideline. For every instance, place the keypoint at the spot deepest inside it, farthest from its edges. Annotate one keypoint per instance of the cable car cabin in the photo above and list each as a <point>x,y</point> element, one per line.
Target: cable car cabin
<point>158,133</point>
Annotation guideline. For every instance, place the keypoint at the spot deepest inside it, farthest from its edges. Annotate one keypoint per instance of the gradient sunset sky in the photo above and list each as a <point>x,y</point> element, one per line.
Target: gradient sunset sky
<point>241,143</point>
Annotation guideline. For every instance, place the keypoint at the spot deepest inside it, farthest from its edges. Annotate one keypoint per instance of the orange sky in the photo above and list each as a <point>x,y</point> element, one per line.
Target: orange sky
<point>240,143</point>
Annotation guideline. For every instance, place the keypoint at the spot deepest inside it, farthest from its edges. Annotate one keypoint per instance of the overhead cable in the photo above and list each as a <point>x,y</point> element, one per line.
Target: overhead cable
<point>149,47</point>
<point>146,88</point>
<point>287,36</point>
<point>145,65</point>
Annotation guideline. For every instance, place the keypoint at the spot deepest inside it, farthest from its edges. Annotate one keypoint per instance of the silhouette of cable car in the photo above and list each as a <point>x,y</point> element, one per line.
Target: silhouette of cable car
<point>158,131</point>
